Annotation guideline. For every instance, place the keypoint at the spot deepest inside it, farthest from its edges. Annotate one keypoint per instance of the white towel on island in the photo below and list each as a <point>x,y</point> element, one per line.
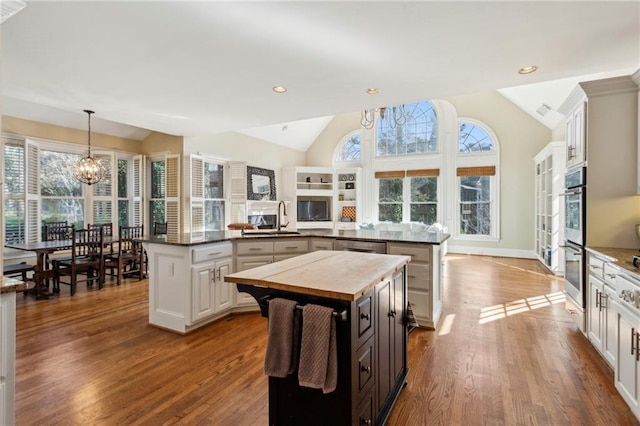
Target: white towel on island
<point>318,366</point>
<point>282,342</point>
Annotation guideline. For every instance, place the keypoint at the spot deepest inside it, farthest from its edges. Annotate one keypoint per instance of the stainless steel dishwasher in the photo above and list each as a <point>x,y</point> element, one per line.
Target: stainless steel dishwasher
<point>361,246</point>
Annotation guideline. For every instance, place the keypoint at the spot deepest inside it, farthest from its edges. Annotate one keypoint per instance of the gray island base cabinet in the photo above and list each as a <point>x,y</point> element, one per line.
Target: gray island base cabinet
<point>368,292</point>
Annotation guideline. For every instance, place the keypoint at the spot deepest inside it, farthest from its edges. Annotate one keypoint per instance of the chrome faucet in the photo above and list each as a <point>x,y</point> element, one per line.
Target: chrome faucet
<point>284,213</point>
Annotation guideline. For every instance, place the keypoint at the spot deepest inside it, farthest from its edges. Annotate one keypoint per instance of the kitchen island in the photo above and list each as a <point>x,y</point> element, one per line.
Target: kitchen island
<point>8,289</point>
<point>186,289</point>
<point>368,293</point>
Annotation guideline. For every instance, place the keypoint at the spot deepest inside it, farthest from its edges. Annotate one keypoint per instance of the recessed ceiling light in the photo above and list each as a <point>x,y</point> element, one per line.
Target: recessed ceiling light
<point>527,70</point>
<point>279,89</point>
<point>373,91</point>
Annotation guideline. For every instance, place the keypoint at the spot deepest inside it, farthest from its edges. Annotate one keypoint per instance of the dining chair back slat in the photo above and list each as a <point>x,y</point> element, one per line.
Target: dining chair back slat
<point>56,231</point>
<point>129,259</point>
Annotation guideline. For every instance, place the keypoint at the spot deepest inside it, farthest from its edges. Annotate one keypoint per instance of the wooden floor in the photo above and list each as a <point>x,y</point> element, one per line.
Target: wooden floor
<point>506,352</point>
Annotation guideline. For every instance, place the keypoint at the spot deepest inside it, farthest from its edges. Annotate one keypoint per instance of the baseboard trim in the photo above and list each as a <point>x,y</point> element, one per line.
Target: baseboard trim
<point>487,251</point>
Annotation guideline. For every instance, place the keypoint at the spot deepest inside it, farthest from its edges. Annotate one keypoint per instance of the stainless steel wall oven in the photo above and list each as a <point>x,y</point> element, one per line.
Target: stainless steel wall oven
<point>575,198</point>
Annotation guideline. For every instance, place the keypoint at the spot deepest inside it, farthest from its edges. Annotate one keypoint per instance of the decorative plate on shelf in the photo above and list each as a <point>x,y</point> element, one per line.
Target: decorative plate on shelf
<point>352,176</point>
<point>342,177</point>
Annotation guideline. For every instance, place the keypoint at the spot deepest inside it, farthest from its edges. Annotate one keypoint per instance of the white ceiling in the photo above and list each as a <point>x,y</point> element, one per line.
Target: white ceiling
<point>197,68</point>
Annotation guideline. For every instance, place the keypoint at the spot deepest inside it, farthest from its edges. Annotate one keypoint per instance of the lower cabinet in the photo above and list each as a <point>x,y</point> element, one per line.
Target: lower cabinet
<point>424,280</point>
<point>627,371</point>
<point>391,337</point>
<point>7,357</point>
<point>210,294</point>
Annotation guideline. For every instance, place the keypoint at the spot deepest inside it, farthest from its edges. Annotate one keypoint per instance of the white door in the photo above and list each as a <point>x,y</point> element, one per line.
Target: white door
<point>202,291</point>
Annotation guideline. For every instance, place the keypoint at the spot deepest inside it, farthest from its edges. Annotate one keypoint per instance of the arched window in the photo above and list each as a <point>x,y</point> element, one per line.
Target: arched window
<point>407,129</point>
<point>473,138</point>
<point>477,180</point>
<point>348,148</point>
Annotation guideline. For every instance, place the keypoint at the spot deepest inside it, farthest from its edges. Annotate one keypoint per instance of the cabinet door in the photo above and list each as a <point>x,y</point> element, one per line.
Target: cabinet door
<point>578,135</point>
<point>610,337</point>
<point>202,291</point>
<point>570,140</point>
<point>242,264</point>
<point>223,293</point>
<point>626,370</point>
<point>383,343</point>
<point>594,312</point>
<point>398,331</point>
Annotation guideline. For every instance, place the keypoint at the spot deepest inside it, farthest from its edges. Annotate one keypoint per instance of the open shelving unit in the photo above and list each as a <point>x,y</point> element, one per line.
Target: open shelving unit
<point>549,206</point>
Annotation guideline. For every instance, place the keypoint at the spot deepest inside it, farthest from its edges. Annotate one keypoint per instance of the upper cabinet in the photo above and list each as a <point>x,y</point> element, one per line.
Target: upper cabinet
<point>576,149</point>
<point>602,135</point>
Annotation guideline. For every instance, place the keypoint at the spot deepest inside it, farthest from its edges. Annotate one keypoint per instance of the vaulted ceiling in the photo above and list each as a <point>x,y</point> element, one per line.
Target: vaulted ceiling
<point>197,68</point>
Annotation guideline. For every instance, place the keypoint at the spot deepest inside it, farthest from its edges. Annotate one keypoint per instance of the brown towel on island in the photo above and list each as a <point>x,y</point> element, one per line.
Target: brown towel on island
<point>318,367</point>
<point>282,342</point>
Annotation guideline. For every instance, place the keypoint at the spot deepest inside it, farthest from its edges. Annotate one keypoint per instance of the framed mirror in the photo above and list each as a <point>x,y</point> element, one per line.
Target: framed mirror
<point>261,184</point>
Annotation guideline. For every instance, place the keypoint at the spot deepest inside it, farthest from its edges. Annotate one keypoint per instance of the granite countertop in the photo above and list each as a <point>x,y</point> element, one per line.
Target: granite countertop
<point>193,238</point>
<point>619,256</point>
<point>334,275</point>
<point>11,285</point>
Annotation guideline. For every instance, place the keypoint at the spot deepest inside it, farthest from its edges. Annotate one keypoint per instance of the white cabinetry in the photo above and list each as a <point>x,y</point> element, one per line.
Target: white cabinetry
<point>601,315</point>
<point>339,190</point>
<point>254,253</point>
<point>575,133</point>
<point>549,207</point>
<point>7,357</point>
<point>424,280</point>
<point>186,286</point>
<point>209,293</point>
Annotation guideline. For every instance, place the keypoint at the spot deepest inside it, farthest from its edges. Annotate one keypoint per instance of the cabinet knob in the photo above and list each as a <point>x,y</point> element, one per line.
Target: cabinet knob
<point>392,314</point>
<point>364,316</point>
<point>366,369</point>
<point>365,421</point>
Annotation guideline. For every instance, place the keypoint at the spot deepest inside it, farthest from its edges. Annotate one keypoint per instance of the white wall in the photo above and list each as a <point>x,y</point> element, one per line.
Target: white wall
<point>256,152</point>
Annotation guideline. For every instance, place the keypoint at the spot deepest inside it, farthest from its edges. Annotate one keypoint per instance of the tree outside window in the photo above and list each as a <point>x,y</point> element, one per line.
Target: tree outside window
<point>61,193</point>
<point>475,205</point>
<point>214,196</point>
<point>407,129</point>
<point>157,201</point>
<point>390,199</point>
<point>424,200</point>
<point>123,193</point>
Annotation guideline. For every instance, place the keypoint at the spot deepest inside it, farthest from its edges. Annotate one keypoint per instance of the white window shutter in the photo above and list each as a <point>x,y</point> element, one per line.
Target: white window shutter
<point>138,190</point>
<point>32,153</point>
<point>238,192</point>
<point>172,194</point>
<point>103,197</point>
<point>197,193</point>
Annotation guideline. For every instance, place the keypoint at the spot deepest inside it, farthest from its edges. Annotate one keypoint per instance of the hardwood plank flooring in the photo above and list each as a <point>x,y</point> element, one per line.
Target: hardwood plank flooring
<point>506,352</point>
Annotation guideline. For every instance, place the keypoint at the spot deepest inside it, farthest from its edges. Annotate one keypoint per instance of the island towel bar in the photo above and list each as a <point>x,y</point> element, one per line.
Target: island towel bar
<point>342,316</point>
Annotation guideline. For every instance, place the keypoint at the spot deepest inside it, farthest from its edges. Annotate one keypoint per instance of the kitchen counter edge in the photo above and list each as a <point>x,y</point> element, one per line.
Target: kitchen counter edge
<point>191,239</point>
<point>618,256</point>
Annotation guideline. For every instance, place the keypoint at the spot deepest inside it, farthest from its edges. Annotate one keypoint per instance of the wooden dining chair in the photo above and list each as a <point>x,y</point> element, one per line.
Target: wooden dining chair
<point>159,228</point>
<point>85,263</point>
<point>128,260</point>
<point>54,231</point>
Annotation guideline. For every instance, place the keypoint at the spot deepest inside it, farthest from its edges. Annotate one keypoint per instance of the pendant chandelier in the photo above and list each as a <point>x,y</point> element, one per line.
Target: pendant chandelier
<point>89,170</point>
<point>395,116</point>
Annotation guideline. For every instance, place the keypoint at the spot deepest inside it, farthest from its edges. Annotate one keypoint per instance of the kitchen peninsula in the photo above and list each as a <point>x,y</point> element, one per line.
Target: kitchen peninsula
<point>368,293</point>
<point>187,289</point>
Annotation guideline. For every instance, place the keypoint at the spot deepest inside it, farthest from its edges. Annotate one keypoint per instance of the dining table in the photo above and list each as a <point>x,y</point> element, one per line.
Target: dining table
<point>42,250</point>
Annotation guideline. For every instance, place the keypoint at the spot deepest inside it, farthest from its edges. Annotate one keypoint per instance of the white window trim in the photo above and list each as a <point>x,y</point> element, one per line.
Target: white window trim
<point>338,148</point>
<point>477,159</point>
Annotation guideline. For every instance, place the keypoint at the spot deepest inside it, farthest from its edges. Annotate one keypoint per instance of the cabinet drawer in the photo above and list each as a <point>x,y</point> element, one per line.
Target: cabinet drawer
<point>418,253</point>
<point>419,277</point>
<point>365,414</point>
<point>595,266</point>
<point>420,303</point>
<point>290,246</point>
<point>366,365</point>
<point>254,247</point>
<point>364,312</point>
<point>211,252</point>
<point>323,244</point>
<point>609,273</point>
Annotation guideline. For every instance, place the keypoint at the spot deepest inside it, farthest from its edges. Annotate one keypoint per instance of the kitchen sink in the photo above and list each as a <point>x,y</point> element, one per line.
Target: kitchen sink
<point>269,232</point>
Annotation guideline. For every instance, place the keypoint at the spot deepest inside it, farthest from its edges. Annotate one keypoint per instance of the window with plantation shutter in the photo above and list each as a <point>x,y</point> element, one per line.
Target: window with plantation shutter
<point>238,187</point>
<point>15,215</point>
<point>207,193</point>
<point>173,194</point>
<point>138,179</point>
<point>103,199</point>
<point>32,173</point>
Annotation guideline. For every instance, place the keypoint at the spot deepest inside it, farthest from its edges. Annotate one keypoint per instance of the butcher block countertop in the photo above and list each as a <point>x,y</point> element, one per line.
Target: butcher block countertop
<point>342,275</point>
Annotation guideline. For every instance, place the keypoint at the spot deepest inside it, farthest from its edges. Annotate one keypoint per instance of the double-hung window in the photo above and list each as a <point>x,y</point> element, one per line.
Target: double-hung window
<point>15,213</point>
<point>476,173</point>
<point>208,189</point>
<point>408,196</point>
